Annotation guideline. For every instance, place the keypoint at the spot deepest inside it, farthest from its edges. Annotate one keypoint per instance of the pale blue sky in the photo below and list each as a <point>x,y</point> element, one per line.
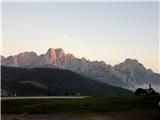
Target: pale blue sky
<point>109,31</point>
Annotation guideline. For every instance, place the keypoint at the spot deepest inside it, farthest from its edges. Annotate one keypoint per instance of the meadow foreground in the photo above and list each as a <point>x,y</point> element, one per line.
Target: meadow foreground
<point>92,108</point>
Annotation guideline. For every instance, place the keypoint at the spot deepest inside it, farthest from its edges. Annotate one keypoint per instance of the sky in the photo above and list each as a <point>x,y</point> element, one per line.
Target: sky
<point>108,31</point>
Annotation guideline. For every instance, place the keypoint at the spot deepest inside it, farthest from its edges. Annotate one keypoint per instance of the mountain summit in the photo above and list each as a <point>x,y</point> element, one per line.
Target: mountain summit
<point>51,56</point>
<point>128,74</point>
<point>59,52</point>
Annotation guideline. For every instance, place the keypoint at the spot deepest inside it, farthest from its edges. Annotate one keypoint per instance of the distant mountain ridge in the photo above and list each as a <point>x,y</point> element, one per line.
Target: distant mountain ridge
<point>128,74</point>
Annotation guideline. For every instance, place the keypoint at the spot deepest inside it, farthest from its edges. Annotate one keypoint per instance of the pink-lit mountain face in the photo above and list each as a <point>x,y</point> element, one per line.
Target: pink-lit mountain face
<point>128,74</point>
<point>31,59</point>
<point>21,60</point>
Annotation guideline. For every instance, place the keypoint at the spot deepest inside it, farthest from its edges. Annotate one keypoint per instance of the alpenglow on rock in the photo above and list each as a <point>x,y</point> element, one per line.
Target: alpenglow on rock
<point>128,74</point>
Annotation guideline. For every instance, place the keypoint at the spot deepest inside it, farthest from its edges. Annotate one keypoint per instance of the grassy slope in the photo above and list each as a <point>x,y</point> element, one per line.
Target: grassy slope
<point>85,105</point>
<point>48,81</point>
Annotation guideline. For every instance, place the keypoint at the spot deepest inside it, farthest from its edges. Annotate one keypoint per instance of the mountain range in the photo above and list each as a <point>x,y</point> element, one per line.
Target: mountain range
<point>129,74</point>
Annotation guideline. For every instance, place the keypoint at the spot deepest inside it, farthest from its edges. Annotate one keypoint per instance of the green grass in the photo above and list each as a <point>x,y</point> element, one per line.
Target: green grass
<point>38,84</point>
<point>85,105</point>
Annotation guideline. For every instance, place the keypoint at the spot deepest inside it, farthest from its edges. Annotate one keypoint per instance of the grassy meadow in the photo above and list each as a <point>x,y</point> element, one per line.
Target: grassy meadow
<point>84,105</point>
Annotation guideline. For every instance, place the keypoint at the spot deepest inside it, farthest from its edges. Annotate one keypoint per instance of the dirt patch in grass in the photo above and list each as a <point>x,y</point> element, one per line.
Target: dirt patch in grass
<point>127,115</point>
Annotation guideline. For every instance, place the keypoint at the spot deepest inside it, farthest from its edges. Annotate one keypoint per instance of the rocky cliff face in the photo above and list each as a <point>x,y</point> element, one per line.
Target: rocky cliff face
<point>127,74</point>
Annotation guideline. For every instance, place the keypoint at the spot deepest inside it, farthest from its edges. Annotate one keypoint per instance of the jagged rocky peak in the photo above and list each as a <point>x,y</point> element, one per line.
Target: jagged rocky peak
<point>134,62</point>
<point>11,61</point>
<point>83,59</point>
<point>49,57</point>
<point>128,60</point>
<point>26,54</point>
<point>50,50</point>
<point>51,53</point>
<point>131,65</point>
<point>102,62</point>
<point>55,53</point>
<point>60,52</point>
<point>69,56</point>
